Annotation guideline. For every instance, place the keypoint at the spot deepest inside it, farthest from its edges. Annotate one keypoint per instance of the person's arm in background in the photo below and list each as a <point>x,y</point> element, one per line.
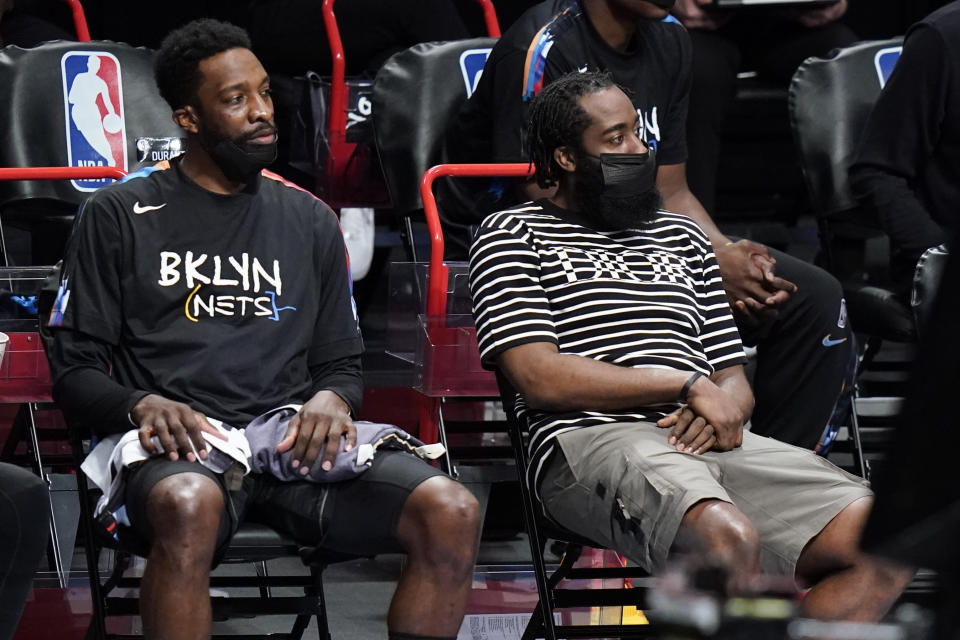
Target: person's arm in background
<point>815,17</point>
<point>900,136</point>
<point>698,14</point>
<point>753,289</point>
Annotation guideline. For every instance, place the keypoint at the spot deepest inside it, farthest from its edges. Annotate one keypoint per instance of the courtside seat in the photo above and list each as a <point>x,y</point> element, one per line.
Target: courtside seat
<point>830,101</point>
<point>54,112</point>
<point>416,94</point>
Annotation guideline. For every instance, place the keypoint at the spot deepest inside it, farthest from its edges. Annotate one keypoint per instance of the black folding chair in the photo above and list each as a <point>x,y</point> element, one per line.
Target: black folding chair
<point>253,543</point>
<point>549,586</point>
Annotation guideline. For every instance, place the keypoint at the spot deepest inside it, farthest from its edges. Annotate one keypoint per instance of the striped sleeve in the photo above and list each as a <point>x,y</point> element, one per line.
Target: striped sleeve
<point>510,306</point>
<point>719,336</point>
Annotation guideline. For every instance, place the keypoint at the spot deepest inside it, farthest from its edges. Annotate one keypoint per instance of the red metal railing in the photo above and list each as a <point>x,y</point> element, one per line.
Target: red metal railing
<point>490,18</point>
<point>448,364</point>
<point>79,20</point>
<point>437,273</point>
<point>60,173</point>
<point>339,97</point>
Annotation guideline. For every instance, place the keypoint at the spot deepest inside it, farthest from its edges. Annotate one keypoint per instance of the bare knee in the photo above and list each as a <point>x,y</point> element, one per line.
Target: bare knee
<point>184,511</point>
<point>837,548</point>
<point>441,522</point>
<point>723,532</point>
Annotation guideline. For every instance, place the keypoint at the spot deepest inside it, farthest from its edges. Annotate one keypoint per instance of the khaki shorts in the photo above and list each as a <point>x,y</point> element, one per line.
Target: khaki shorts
<point>624,487</point>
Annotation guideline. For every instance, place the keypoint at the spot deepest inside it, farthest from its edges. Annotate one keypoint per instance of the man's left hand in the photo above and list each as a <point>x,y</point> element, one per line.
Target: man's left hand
<point>690,433</point>
<point>319,426</point>
<point>821,16</point>
<point>753,288</point>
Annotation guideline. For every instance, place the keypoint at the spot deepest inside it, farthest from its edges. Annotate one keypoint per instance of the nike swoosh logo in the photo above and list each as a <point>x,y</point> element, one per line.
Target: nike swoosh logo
<point>828,342</point>
<point>137,209</point>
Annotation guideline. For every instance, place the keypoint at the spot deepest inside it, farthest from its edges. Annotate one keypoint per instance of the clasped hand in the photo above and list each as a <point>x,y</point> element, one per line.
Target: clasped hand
<point>754,291</point>
<point>698,14</point>
<point>709,421</point>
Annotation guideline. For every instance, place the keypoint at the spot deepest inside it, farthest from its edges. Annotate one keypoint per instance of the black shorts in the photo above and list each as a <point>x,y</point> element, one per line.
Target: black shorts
<point>356,517</point>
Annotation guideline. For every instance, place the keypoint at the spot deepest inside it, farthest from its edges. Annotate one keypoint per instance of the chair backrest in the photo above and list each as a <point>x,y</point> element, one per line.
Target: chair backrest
<point>416,94</point>
<point>927,279</point>
<point>53,112</point>
<point>830,101</point>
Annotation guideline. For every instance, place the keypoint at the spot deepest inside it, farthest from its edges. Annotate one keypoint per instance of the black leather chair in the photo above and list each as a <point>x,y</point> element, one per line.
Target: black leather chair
<point>552,595</point>
<point>830,100</point>
<point>40,106</point>
<point>253,543</point>
<point>416,94</point>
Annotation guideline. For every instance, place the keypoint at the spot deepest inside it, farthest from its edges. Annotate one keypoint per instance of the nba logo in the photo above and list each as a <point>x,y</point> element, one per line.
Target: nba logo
<point>471,66</point>
<point>885,61</point>
<point>93,112</point>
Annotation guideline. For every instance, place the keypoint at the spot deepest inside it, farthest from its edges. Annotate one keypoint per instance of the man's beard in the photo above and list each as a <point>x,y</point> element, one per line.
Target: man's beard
<point>609,213</point>
<point>240,159</point>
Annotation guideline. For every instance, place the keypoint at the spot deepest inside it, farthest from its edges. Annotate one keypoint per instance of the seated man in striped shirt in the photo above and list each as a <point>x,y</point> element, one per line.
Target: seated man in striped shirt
<point>609,317</point>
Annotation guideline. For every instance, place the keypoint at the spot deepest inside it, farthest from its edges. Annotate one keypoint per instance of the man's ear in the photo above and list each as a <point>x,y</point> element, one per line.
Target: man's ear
<point>565,158</point>
<point>186,118</point>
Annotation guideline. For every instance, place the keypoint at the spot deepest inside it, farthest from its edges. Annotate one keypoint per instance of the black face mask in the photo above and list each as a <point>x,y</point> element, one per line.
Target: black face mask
<point>626,174</point>
<point>617,190</point>
<point>240,160</point>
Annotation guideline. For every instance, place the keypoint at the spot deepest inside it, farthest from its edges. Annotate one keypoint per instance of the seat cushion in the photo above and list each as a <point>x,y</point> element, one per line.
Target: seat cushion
<point>879,312</point>
<point>254,541</point>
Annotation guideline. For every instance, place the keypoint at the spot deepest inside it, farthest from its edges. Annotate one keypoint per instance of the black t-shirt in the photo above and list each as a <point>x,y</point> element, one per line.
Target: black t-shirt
<point>548,41</point>
<point>223,302</point>
<point>907,170</point>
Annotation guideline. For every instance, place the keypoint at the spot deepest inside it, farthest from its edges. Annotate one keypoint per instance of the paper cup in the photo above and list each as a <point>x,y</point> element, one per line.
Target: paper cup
<point>4,341</point>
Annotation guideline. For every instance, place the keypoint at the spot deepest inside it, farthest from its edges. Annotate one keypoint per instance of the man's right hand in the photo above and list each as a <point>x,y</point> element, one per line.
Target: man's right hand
<point>711,416</point>
<point>178,427</point>
<point>696,14</point>
<point>753,289</point>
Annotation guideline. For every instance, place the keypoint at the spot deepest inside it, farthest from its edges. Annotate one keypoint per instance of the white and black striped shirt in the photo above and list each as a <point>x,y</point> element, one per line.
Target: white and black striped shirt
<point>651,297</point>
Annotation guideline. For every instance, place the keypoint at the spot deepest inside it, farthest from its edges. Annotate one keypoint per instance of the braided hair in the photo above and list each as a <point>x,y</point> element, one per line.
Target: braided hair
<point>556,119</point>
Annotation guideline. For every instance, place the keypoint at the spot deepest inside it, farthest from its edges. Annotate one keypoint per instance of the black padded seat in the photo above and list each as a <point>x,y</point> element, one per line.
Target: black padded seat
<point>879,312</point>
<point>416,94</point>
<point>254,542</point>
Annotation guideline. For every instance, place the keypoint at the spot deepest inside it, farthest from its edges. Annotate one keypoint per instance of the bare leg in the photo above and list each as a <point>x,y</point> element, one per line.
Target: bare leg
<point>848,584</point>
<point>185,514</point>
<point>724,534</point>
<point>440,529</point>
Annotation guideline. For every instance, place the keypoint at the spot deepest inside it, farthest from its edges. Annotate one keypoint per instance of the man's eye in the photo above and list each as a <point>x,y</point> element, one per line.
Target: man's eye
<point>617,140</point>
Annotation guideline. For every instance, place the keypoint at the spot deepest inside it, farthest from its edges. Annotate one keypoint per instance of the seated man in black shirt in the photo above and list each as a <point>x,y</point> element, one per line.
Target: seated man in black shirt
<point>211,289</point>
<point>609,318</point>
<point>769,40</point>
<point>792,311</point>
<point>907,170</point>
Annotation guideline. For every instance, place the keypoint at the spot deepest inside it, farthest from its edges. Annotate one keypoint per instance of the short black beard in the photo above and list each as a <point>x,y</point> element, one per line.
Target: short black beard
<point>608,213</point>
<point>211,138</point>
